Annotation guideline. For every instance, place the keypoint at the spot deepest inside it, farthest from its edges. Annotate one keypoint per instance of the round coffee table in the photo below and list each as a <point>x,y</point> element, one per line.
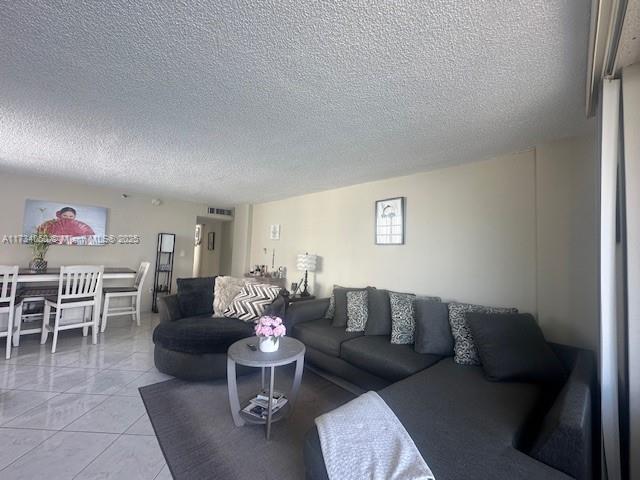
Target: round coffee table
<point>291,350</point>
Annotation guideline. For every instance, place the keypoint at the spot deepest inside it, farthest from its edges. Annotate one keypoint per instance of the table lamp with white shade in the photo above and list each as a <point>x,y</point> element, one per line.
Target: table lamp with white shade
<point>306,263</point>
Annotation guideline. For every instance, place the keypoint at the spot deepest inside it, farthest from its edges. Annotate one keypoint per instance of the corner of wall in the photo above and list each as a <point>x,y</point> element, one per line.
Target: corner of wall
<point>241,249</point>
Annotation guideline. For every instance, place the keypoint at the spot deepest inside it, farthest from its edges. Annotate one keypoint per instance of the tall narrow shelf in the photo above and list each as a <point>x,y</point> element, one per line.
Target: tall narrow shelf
<point>164,267</point>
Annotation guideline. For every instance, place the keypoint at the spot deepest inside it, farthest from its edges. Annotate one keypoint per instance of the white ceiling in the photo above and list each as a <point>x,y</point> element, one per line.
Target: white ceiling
<point>251,100</point>
<point>629,47</point>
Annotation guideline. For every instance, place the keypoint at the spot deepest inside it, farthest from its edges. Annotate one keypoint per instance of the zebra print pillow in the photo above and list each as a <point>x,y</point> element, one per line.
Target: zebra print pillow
<point>403,324</point>
<point>250,303</point>
<point>357,310</point>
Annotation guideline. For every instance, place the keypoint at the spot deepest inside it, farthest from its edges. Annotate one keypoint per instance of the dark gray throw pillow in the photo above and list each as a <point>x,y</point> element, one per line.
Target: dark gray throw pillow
<point>433,332</point>
<point>195,296</point>
<point>277,308</point>
<point>512,348</point>
<point>464,348</point>
<point>379,321</point>
<point>340,312</point>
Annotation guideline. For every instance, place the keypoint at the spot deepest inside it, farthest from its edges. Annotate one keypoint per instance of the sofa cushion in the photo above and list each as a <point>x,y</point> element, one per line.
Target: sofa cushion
<point>379,312</point>
<point>323,336</point>
<point>433,333</point>
<point>377,355</point>
<point>340,302</point>
<point>403,324</point>
<point>252,301</point>
<point>512,347</point>
<point>225,290</point>
<point>202,334</point>
<point>465,351</point>
<point>357,310</point>
<point>195,296</point>
<point>471,418</point>
<point>277,308</point>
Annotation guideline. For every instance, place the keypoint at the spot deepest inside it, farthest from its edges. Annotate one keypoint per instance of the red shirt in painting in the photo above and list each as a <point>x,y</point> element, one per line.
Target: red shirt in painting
<point>66,227</point>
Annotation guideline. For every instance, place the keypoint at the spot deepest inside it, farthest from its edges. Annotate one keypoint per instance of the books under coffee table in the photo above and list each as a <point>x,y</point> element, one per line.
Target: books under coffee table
<point>258,406</point>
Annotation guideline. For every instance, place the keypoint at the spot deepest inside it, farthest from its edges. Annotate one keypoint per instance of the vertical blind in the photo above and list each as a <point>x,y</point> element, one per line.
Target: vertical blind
<point>610,155</point>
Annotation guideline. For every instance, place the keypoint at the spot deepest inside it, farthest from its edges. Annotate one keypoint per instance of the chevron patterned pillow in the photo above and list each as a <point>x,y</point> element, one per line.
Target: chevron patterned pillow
<point>250,303</point>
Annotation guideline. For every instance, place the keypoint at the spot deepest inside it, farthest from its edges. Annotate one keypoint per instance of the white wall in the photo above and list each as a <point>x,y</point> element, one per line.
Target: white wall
<point>490,232</point>
<point>241,237</point>
<point>134,215</point>
<point>516,230</point>
<point>470,233</point>
<point>226,248</point>
<point>568,241</point>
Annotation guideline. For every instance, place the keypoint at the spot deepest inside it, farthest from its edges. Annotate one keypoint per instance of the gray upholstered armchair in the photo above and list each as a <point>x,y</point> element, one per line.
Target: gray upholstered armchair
<point>195,347</point>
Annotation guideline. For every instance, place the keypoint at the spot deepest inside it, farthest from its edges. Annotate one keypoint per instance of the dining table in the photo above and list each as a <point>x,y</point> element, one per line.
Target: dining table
<point>34,286</point>
<point>25,275</point>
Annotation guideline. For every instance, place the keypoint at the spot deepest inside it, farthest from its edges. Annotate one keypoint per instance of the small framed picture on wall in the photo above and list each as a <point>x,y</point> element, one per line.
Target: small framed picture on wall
<point>274,232</point>
<point>390,221</point>
<point>211,241</point>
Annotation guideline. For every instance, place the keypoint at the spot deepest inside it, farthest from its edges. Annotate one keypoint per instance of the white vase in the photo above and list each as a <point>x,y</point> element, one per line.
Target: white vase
<point>269,344</point>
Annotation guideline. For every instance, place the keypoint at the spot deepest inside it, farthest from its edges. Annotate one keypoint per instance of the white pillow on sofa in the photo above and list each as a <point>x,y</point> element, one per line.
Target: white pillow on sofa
<point>225,290</point>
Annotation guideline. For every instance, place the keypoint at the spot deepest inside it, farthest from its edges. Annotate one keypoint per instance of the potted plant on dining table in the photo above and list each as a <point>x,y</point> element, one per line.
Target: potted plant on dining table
<point>39,243</point>
<point>269,329</point>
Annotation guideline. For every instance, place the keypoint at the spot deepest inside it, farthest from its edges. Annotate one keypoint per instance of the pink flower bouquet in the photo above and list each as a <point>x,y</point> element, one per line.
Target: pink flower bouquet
<point>269,330</point>
<point>270,327</point>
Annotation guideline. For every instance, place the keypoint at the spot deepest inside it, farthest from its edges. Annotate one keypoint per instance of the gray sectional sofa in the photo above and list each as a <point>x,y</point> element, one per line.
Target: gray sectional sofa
<point>464,425</point>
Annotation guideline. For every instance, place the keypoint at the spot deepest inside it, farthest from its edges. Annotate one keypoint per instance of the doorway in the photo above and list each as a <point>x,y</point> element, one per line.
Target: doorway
<point>211,247</point>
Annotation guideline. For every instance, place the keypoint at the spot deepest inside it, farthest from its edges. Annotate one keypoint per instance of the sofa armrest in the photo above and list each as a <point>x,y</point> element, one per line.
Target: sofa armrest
<point>169,308</point>
<point>298,312</point>
<point>565,440</point>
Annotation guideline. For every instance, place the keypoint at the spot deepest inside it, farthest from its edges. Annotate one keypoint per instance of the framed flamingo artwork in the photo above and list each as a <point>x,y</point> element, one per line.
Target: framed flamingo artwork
<point>390,221</point>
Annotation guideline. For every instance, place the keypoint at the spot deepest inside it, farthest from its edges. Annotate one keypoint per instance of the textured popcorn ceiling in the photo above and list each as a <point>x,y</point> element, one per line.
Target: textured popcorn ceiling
<point>252,100</point>
<point>629,46</point>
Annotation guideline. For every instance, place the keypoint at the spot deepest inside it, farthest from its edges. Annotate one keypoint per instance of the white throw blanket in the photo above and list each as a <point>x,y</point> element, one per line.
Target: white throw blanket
<point>363,440</point>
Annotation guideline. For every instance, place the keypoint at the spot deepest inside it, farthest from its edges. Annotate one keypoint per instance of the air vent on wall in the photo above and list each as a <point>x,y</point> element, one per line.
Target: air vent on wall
<point>220,211</point>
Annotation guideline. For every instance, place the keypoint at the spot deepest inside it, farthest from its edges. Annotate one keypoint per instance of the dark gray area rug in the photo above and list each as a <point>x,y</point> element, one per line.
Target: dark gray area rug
<point>200,441</point>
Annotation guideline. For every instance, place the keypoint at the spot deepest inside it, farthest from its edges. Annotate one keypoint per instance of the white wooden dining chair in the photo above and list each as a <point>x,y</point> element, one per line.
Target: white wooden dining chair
<point>8,288</point>
<point>80,286</point>
<point>134,293</point>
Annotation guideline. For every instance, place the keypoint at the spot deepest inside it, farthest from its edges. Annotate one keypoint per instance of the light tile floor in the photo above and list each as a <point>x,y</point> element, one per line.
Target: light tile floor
<point>77,414</point>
